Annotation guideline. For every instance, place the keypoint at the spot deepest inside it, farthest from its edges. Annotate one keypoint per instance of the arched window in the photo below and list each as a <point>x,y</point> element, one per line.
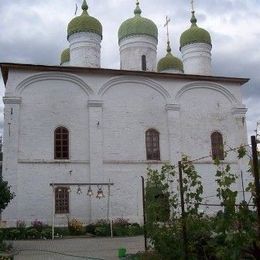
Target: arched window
<point>144,62</point>
<point>61,200</point>
<point>217,146</point>
<point>152,144</point>
<point>61,143</point>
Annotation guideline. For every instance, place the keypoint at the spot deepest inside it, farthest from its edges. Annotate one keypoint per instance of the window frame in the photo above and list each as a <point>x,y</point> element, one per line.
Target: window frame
<point>62,204</point>
<point>152,142</point>
<point>217,146</point>
<point>61,144</point>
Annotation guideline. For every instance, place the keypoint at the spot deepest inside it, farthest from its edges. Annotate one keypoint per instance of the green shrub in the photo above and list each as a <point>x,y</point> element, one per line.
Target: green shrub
<point>121,222</point>
<point>38,225</point>
<point>32,233</point>
<point>120,231</point>
<point>1,235</point>
<point>14,234</point>
<point>46,233</point>
<point>135,230</point>
<point>6,257</point>
<point>61,231</point>
<point>75,227</point>
<point>102,230</point>
<point>4,247</point>
<point>90,229</point>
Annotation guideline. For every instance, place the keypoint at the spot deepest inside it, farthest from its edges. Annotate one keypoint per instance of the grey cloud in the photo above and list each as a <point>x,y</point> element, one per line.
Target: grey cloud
<point>35,32</point>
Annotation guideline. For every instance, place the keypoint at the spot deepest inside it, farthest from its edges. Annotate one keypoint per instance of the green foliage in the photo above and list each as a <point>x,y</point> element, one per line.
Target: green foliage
<point>135,230</point>
<point>192,186</point>
<point>32,233</point>
<point>90,229</point>
<point>231,234</point>
<point>14,234</point>
<point>102,228</point>
<point>102,231</point>
<point>75,227</point>
<point>241,152</point>
<point>46,233</point>
<point>1,235</point>
<point>164,224</point>
<point>5,194</point>
<point>157,194</point>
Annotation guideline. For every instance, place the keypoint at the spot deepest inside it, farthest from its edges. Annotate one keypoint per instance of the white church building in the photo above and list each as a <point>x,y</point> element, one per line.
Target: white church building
<point>80,123</point>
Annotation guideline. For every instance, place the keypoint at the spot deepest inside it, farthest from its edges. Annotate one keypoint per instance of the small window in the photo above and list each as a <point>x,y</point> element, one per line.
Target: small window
<point>61,143</point>
<point>61,200</point>
<point>152,144</point>
<point>143,62</point>
<point>217,146</point>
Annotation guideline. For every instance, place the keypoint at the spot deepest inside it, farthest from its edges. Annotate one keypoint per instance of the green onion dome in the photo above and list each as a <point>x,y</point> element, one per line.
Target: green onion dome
<point>194,34</point>
<point>169,62</point>
<point>137,25</point>
<point>84,23</point>
<point>65,56</point>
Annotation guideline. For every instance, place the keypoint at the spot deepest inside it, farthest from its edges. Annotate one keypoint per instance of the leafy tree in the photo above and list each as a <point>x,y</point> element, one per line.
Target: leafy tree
<point>5,197</point>
<point>5,194</point>
<point>231,234</point>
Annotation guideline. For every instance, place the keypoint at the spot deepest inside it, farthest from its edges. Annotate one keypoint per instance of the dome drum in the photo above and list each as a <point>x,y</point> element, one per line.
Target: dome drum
<point>195,46</point>
<point>138,39</point>
<point>84,34</point>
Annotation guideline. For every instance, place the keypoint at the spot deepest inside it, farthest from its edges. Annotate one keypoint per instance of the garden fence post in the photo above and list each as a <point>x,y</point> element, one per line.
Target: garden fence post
<point>257,184</point>
<point>144,215</point>
<point>184,227</point>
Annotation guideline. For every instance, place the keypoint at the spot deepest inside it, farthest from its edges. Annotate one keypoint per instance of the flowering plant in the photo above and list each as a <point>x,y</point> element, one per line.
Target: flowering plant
<point>38,225</point>
<point>75,226</point>
<point>20,224</point>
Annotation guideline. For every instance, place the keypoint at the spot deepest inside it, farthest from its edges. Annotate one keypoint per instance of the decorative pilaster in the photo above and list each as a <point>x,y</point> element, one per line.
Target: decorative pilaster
<point>95,108</point>
<point>174,132</point>
<point>10,152</point>
<point>240,132</point>
<point>239,114</point>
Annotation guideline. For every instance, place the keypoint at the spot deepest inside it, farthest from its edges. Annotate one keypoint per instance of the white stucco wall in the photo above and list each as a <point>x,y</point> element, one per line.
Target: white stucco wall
<point>85,49</point>
<point>196,59</point>
<point>107,117</point>
<point>133,48</point>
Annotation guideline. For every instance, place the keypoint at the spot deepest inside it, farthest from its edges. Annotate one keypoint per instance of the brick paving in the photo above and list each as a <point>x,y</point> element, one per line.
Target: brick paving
<point>76,248</point>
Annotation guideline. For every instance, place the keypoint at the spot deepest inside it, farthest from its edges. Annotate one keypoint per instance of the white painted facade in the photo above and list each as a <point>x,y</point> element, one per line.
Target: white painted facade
<point>85,49</point>
<point>132,48</point>
<point>196,59</point>
<point>107,113</point>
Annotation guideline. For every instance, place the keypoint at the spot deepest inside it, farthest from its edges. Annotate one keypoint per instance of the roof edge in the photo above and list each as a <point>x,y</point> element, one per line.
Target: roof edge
<point>6,66</point>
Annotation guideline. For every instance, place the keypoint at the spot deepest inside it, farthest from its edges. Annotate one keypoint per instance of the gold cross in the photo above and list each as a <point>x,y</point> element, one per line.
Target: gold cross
<point>167,26</point>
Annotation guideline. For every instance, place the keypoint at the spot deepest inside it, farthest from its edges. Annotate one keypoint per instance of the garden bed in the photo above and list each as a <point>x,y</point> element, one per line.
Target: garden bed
<point>75,228</point>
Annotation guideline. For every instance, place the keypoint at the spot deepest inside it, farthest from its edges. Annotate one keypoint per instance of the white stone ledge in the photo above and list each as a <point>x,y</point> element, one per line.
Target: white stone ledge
<point>212,162</point>
<point>95,103</point>
<point>12,100</point>
<point>39,161</point>
<point>134,162</point>
<point>173,107</point>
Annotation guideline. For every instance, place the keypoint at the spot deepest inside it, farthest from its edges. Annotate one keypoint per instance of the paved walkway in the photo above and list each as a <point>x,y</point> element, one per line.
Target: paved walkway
<point>77,248</point>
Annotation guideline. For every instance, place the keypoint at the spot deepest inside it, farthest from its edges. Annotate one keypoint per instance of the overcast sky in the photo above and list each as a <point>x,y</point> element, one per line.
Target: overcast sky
<point>34,31</point>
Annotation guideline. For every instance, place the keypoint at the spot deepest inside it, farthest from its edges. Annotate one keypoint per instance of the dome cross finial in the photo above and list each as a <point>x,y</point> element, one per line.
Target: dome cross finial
<point>137,11</point>
<point>192,5</point>
<point>168,37</point>
<point>84,5</point>
<point>193,19</point>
